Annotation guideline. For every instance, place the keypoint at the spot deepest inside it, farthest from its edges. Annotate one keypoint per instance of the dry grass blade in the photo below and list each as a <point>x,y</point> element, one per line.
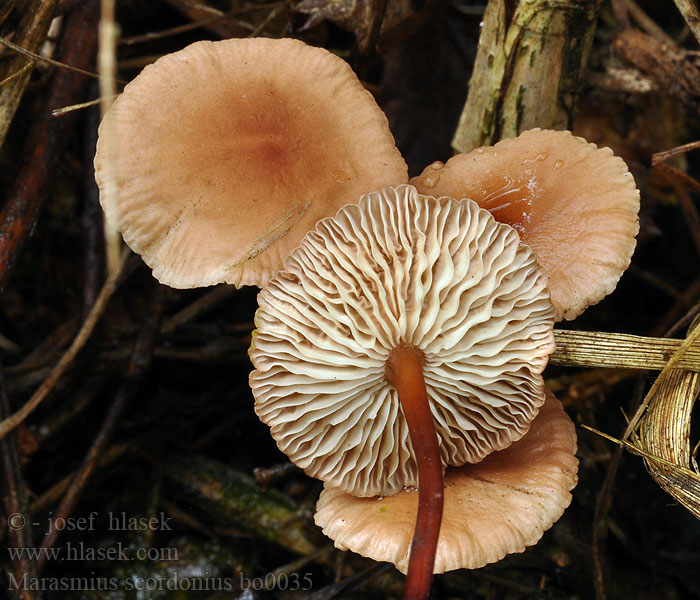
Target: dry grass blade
<point>673,363</point>
<point>660,430</point>
<point>59,112</point>
<point>665,433</point>
<point>619,350</point>
<point>107,61</point>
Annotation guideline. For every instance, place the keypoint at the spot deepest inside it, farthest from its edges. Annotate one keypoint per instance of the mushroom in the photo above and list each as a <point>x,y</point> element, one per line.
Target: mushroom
<point>574,204</point>
<point>496,507</point>
<point>406,334</point>
<point>228,152</point>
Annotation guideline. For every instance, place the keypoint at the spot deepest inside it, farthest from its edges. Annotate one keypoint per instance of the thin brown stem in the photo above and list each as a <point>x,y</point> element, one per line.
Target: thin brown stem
<point>405,373</point>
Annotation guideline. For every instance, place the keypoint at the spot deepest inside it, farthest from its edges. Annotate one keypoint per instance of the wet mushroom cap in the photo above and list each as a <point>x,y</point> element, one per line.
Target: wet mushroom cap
<point>574,204</point>
<point>400,269</point>
<point>228,152</point>
<point>496,507</point>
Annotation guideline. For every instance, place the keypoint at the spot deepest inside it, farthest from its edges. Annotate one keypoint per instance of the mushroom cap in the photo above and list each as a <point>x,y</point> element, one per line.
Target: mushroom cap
<point>574,204</point>
<point>496,507</point>
<point>228,152</point>
<point>400,269</point>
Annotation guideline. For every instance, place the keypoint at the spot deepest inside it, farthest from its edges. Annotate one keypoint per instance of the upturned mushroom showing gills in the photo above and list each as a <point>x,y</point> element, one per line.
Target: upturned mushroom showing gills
<point>227,153</point>
<point>574,204</point>
<point>405,335</point>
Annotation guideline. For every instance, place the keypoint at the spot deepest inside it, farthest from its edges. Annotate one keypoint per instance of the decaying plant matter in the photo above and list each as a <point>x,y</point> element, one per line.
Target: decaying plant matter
<point>120,414</point>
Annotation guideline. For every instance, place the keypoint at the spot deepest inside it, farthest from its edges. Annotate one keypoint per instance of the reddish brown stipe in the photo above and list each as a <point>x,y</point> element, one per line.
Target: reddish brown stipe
<point>405,372</point>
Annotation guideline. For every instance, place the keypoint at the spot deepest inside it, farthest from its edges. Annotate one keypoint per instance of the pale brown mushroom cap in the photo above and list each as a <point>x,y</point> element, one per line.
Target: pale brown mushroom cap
<point>496,507</point>
<point>400,269</point>
<point>229,152</point>
<point>574,204</point>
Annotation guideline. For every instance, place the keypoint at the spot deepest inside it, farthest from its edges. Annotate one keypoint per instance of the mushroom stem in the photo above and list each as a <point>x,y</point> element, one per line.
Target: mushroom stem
<point>405,373</point>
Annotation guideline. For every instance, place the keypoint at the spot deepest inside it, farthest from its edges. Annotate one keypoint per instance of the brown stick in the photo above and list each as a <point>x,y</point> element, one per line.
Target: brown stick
<point>691,14</point>
<point>9,423</point>
<point>528,69</point>
<point>141,356</point>
<point>15,501</point>
<point>30,34</point>
<point>405,373</point>
<point>47,138</point>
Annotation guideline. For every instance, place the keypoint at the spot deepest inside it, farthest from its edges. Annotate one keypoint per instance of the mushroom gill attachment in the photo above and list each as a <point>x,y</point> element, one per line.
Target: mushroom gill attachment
<point>400,269</point>
<point>574,204</point>
<point>227,153</point>
<point>496,507</point>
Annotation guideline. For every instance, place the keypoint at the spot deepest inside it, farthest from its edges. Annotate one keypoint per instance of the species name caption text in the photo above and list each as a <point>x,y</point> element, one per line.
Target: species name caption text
<point>271,581</point>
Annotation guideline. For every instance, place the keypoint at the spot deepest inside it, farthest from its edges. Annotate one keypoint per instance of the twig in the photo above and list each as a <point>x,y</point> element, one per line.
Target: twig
<point>676,175</point>
<point>689,297</point>
<point>660,157</point>
<point>646,22</point>
<point>92,214</point>
<point>15,499</point>
<point>691,213</point>
<point>604,502</point>
<point>27,67</point>
<point>202,304</point>
<point>681,181</point>
<point>156,35</point>
<point>378,12</point>
<point>270,16</point>
<point>50,61</point>
<point>54,493</point>
<point>31,32</point>
<point>107,61</point>
<point>38,397</point>
<point>140,359</point>
<point>59,112</point>
<point>691,14</point>
<point>46,139</point>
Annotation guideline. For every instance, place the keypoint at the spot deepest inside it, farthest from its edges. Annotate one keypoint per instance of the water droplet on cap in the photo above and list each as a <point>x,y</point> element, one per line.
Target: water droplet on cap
<point>340,176</point>
<point>431,180</point>
<point>558,164</point>
<point>437,165</point>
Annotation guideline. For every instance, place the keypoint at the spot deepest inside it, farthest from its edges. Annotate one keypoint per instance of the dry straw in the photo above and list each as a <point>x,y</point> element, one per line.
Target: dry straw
<point>660,429</point>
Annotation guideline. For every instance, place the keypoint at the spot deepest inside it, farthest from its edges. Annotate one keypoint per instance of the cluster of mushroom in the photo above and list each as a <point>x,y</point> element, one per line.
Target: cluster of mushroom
<point>385,312</point>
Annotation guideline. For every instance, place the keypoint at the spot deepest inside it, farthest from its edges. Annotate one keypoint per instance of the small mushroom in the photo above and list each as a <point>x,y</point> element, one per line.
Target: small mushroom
<point>227,153</point>
<point>403,335</point>
<point>574,204</point>
<point>496,507</point>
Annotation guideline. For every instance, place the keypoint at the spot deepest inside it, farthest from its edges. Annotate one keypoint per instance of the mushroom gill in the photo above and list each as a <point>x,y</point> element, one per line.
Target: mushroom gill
<point>400,269</point>
<point>405,334</point>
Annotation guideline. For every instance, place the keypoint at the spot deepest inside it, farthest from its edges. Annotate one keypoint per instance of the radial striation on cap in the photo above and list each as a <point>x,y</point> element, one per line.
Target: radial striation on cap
<point>227,153</point>
<point>496,507</point>
<point>400,269</point>
<point>574,204</point>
